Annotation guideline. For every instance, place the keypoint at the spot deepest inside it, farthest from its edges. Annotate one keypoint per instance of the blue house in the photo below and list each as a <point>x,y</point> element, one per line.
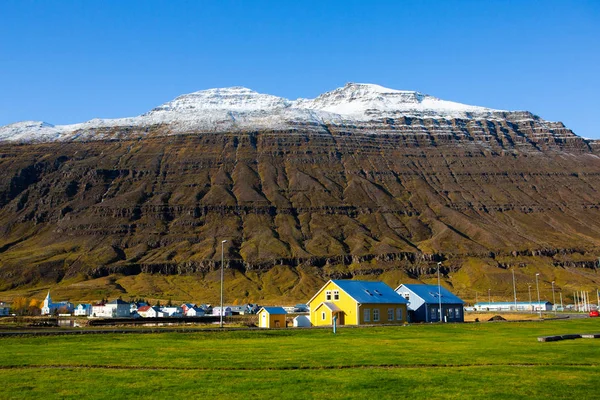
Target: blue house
<point>424,303</point>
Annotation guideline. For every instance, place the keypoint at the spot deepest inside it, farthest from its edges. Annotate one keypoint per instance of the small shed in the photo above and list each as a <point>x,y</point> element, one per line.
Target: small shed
<point>271,317</point>
<point>301,321</point>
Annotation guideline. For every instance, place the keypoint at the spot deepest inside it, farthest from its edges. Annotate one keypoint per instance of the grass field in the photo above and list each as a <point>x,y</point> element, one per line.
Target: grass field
<point>487,360</point>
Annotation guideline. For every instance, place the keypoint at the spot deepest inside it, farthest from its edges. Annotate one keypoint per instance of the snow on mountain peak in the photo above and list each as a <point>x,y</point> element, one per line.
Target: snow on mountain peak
<point>29,131</point>
<point>365,101</point>
<point>239,108</point>
<point>237,98</point>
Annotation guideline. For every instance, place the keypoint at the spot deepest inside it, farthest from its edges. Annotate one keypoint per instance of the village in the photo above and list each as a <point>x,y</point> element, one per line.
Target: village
<point>338,302</point>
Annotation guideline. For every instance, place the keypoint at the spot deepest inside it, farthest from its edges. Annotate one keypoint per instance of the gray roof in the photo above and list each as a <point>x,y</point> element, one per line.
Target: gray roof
<point>429,294</point>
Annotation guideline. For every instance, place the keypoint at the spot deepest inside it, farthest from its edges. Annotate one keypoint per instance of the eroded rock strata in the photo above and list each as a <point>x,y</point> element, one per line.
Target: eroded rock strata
<point>340,204</point>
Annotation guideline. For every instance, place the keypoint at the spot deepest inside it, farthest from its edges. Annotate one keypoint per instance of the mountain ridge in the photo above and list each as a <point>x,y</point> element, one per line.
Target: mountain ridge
<point>241,109</point>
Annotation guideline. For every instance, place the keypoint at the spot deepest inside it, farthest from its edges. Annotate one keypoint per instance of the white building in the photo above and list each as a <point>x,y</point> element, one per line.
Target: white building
<point>226,312</point>
<point>83,310</point>
<point>510,306</point>
<point>194,312</point>
<point>150,312</point>
<point>172,311</point>
<point>49,308</point>
<point>113,309</point>
<point>301,321</point>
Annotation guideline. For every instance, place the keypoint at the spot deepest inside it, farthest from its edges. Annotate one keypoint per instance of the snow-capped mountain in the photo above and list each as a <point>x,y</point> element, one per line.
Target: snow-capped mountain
<point>239,109</point>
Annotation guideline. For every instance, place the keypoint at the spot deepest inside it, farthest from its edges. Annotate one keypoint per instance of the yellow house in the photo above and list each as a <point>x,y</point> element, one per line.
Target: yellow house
<point>271,317</point>
<point>357,303</point>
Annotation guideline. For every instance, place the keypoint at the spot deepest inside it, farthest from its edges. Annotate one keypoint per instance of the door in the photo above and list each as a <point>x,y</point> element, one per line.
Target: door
<point>263,320</point>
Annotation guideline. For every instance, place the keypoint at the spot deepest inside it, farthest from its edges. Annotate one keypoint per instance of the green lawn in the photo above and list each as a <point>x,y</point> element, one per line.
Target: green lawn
<point>489,360</point>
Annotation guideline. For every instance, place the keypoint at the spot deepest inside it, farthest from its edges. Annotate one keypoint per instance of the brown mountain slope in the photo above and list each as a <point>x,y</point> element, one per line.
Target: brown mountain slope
<point>145,217</point>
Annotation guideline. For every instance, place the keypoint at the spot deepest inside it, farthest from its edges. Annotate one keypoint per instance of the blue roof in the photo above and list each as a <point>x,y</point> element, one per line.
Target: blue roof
<point>429,294</point>
<point>275,310</point>
<point>370,292</point>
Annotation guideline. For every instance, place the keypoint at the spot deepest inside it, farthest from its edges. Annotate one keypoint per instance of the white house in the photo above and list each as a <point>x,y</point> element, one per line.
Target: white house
<point>113,309</point>
<point>150,312</point>
<point>172,311</point>
<point>186,306</point>
<point>83,310</point>
<point>194,312</point>
<point>49,308</point>
<point>225,313</point>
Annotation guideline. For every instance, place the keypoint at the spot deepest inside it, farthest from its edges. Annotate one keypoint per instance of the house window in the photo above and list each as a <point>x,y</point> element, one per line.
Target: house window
<point>434,312</point>
<point>328,295</point>
<point>457,312</point>
<point>336,295</point>
<point>390,314</point>
<point>323,316</point>
<point>375,314</point>
<point>398,314</point>
<point>367,314</point>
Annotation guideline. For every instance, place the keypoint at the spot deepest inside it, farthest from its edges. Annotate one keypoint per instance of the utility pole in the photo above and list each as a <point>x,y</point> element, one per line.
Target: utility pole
<point>561,303</point>
<point>553,299</point>
<point>538,292</point>
<point>222,266</point>
<point>514,287</point>
<point>439,264</point>
<point>529,290</point>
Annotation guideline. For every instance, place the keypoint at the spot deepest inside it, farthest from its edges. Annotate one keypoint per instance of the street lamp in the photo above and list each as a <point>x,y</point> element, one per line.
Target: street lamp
<point>537,285</point>
<point>553,298</point>
<point>489,298</point>
<point>222,265</point>
<point>439,291</point>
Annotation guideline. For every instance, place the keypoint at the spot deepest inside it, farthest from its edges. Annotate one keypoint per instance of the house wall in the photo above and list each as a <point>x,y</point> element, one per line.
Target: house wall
<point>316,316</point>
<point>383,313</point>
<point>428,312</point>
<point>345,303</point>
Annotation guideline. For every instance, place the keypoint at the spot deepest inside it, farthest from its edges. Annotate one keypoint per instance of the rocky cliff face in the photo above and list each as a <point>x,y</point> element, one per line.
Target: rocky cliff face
<point>360,182</point>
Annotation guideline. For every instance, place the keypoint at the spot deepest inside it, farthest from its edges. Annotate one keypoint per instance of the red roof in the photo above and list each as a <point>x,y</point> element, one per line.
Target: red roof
<point>144,308</point>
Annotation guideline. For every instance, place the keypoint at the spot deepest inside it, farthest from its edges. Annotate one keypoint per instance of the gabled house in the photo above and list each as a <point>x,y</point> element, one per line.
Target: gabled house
<point>83,310</point>
<point>356,303</point>
<point>186,306</point>
<point>271,317</point>
<point>424,303</point>
<point>194,312</point>
<point>150,312</point>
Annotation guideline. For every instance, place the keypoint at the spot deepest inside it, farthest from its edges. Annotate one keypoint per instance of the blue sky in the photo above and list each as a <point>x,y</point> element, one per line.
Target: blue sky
<point>71,61</point>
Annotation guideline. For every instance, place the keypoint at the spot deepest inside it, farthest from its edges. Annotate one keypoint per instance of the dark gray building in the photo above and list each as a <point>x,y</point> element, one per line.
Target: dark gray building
<point>424,303</point>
